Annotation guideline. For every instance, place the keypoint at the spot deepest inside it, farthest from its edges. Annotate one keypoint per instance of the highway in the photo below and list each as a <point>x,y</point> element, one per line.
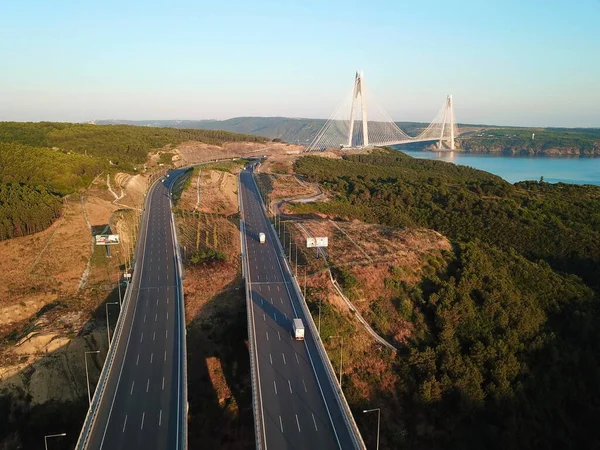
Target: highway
<point>298,404</point>
<point>141,406</point>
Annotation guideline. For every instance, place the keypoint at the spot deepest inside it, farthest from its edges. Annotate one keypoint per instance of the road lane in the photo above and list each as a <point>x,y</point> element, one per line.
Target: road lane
<point>140,405</point>
<point>293,381</point>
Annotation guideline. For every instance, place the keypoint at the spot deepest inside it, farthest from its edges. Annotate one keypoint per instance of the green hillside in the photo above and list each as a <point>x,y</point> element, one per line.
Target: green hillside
<point>504,350</point>
<point>42,162</point>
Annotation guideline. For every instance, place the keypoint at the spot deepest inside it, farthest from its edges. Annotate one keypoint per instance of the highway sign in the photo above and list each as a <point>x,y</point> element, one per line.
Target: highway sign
<point>107,239</point>
<point>317,242</point>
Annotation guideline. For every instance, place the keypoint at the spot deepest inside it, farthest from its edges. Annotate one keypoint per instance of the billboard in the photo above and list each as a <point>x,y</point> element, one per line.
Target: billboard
<point>107,239</point>
<point>316,242</point>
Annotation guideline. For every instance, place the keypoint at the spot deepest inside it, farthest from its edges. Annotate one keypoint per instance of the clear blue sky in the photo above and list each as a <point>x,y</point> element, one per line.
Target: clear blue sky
<point>508,62</point>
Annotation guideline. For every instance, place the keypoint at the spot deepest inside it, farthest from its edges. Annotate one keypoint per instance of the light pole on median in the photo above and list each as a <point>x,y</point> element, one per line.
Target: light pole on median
<point>107,322</point>
<point>341,353</point>
<point>87,376</point>
<point>51,436</point>
<point>378,421</point>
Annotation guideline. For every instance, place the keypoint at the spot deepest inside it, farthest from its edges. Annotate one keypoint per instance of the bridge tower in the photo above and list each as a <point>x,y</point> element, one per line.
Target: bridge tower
<point>358,90</point>
<point>448,121</point>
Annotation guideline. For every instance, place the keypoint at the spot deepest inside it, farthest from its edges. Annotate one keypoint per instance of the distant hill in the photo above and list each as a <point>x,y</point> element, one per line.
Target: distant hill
<point>473,138</point>
<point>292,130</point>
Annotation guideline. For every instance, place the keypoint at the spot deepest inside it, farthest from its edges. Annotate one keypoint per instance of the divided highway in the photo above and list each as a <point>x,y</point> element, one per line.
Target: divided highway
<point>143,403</point>
<point>297,402</point>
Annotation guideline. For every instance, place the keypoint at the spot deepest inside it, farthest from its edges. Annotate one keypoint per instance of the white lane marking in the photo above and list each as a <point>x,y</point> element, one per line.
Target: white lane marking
<point>142,337</point>
<point>131,391</point>
<point>124,423</point>
<point>138,360</point>
<point>165,355</point>
<point>298,423</point>
<point>290,386</point>
<point>269,287</point>
<point>279,334</point>
<point>167,316</point>
<point>270,358</point>
<point>166,333</point>
<point>156,302</point>
<point>167,277</point>
<point>304,384</point>
<point>163,384</point>
<point>283,358</point>
<point>275,316</point>
<point>271,301</point>
<point>151,357</point>
<point>278,287</point>
<point>267,333</point>
<point>285,315</point>
<point>158,278</point>
<point>264,317</point>
<point>281,300</point>
<point>297,360</point>
<point>144,318</point>
<point>153,335</point>
<point>160,418</point>
<point>143,416</point>
<point>147,384</point>
<point>259,289</point>
<point>281,424</point>
<point>156,317</point>
<point>315,422</point>
<point>275,386</point>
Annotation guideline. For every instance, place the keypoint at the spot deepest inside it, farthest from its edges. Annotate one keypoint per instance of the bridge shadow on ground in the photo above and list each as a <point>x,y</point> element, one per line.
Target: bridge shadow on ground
<point>57,376</point>
<point>219,381</point>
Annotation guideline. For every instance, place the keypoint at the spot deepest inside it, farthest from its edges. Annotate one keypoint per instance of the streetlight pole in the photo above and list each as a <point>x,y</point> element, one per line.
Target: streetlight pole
<point>107,323</point>
<point>51,436</point>
<point>341,354</point>
<point>305,270</point>
<point>119,286</point>
<point>319,317</point>
<point>87,376</point>
<point>378,421</point>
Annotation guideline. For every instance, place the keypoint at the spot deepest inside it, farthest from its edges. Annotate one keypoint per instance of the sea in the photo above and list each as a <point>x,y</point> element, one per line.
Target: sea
<point>554,169</point>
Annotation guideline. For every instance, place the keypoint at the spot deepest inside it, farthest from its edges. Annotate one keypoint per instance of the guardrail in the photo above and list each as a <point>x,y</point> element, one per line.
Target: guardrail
<point>256,390</point>
<point>183,407</point>
<point>341,399</point>
<point>90,417</point>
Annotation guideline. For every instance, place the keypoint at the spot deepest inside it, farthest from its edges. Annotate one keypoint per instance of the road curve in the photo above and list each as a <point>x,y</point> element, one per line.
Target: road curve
<point>298,403</point>
<point>142,404</point>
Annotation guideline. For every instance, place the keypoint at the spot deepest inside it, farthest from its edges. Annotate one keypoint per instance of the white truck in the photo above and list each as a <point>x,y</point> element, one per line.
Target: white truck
<point>262,238</point>
<point>298,329</point>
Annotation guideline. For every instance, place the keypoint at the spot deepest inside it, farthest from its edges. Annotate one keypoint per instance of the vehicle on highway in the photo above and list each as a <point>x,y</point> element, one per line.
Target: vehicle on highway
<point>298,330</point>
<point>262,238</point>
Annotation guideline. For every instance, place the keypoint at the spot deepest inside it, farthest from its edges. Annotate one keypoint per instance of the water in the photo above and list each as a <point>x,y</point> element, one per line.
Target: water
<point>575,170</point>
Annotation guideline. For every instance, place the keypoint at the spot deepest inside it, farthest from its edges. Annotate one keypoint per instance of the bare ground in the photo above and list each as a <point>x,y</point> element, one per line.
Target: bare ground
<point>194,152</point>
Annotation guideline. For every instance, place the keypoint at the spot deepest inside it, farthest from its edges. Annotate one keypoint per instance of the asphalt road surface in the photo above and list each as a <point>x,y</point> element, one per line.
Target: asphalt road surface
<point>298,403</point>
<point>140,408</point>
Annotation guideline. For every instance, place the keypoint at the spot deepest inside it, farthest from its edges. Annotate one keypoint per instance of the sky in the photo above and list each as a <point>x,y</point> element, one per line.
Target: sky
<point>524,63</point>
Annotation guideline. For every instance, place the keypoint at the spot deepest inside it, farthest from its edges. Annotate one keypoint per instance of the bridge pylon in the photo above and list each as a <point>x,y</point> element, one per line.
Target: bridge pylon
<point>448,121</point>
<point>358,90</point>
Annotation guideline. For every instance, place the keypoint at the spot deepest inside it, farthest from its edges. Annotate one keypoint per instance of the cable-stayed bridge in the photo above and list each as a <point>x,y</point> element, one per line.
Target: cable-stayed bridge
<point>359,130</point>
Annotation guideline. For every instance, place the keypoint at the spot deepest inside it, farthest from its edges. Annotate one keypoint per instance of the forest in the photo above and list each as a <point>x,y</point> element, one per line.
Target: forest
<point>533,141</point>
<point>40,163</point>
<point>504,349</point>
